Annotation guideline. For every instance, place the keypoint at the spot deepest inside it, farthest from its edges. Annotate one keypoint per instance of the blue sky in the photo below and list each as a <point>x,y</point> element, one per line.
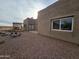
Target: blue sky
<point>17,10</point>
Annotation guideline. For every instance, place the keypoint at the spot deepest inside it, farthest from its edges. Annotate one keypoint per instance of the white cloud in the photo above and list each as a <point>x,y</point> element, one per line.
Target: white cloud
<point>17,10</point>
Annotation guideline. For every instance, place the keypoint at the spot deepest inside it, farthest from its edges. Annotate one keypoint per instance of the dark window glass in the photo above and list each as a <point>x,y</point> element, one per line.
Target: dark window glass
<point>56,24</point>
<point>66,23</point>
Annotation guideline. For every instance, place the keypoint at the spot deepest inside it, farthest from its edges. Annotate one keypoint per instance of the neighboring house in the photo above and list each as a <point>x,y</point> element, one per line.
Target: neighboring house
<point>17,26</point>
<point>30,24</point>
<point>60,20</point>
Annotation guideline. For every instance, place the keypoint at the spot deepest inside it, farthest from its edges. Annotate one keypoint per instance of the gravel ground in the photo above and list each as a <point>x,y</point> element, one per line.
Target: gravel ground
<point>33,46</point>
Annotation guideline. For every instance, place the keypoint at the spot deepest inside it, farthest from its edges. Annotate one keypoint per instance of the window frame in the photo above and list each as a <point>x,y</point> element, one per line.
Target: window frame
<point>60,24</point>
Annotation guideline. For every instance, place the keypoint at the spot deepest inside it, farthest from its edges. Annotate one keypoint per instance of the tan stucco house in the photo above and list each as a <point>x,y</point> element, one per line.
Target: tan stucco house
<point>60,20</point>
<point>30,24</point>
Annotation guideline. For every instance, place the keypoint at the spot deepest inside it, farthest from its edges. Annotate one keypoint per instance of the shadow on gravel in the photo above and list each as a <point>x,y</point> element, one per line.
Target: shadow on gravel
<point>2,42</point>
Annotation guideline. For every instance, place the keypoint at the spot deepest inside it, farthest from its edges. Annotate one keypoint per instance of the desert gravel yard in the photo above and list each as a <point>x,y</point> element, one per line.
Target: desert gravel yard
<point>34,46</point>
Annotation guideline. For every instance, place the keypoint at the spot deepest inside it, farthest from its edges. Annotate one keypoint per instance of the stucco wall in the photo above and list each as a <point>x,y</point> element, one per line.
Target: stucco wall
<point>59,9</point>
<point>30,24</point>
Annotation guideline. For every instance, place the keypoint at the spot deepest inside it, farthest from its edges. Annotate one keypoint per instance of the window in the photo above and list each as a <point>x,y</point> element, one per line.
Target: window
<point>56,24</point>
<point>63,24</point>
<point>66,24</point>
